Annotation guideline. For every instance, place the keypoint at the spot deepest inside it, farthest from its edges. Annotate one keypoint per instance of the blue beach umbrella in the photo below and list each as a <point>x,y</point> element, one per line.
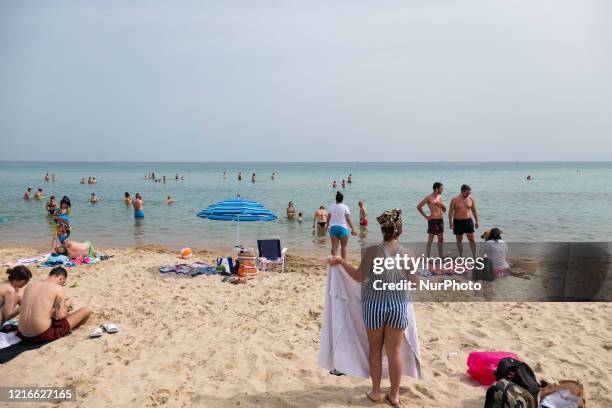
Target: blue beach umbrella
<point>237,210</point>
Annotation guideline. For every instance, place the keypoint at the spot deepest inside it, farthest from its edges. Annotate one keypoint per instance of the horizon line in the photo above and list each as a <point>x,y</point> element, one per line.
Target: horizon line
<point>313,162</point>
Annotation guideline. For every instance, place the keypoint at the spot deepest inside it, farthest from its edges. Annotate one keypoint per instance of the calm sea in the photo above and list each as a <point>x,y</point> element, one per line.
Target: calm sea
<point>563,202</point>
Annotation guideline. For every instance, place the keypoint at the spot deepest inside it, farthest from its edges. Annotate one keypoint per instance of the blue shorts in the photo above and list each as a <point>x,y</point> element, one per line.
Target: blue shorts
<point>339,231</point>
<point>139,214</point>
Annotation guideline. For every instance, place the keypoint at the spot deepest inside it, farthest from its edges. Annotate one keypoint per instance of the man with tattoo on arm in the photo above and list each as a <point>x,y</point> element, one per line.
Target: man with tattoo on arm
<point>45,310</point>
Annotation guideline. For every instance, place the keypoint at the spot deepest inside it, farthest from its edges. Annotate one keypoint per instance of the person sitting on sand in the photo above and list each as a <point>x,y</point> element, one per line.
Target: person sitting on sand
<point>338,224</point>
<point>385,312</point>
<point>320,219</point>
<point>495,249</point>
<point>363,214</point>
<point>75,249</point>
<point>291,212</point>
<point>127,198</point>
<point>44,314</point>
<point>94,198</point>
<point>169,200</point>
<point>11,291</point>
<point>138,204</point>
<point>51,206</point>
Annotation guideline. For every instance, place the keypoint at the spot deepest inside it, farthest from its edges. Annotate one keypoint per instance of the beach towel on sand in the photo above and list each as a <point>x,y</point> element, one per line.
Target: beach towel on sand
<point>344,341</point>
<point>196,268</point>
<point>28,261</point>
<point>62,260</point>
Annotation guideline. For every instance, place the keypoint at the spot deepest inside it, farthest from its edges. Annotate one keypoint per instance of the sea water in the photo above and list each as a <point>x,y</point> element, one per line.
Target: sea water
<point>563,202</point>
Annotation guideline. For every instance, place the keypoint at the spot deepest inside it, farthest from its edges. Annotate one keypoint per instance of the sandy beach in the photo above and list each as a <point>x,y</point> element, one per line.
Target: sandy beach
<point>201,342</point>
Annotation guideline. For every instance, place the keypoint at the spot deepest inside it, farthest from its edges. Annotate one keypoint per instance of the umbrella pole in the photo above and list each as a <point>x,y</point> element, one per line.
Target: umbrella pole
<point>238,235</point>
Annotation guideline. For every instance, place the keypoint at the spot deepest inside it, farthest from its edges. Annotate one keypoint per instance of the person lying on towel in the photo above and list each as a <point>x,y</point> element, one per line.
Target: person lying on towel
<point>44,315</point>
<point>75,249</point>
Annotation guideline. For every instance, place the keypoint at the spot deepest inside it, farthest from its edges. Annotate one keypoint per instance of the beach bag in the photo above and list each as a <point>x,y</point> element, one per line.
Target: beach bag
<point>226,264</point>
<point>482,365</point>
<point>575,388</point>
<point>506,394</point>
<point>485,272</point>
<point>525,378</point>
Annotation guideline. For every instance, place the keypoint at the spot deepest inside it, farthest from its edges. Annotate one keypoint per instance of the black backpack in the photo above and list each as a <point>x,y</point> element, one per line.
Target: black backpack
<point>524,378</point>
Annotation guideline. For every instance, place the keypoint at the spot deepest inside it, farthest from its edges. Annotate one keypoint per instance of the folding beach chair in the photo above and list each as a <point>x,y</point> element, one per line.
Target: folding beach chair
<point>271,250</point>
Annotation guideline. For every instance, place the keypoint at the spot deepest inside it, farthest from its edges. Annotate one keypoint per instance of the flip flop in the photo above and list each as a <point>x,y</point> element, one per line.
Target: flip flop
<point>95,333</point>
<point>110,328</point>
<point>376,401</point>
<point>388,399</point>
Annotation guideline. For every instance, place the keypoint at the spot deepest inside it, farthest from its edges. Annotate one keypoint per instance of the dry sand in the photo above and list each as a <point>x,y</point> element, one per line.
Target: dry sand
<point>200,342</point>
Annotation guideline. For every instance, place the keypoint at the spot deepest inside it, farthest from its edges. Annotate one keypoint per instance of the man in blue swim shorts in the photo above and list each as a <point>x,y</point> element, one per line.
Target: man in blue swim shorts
<point>339,225</point>
<point>138,204</point>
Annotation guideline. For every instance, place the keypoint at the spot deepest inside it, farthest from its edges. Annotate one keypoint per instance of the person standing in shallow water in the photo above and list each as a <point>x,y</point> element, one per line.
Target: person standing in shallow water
<point>138,204</point>
<point>340,226</point>
<point>435,220</point>
<point>460,213</point>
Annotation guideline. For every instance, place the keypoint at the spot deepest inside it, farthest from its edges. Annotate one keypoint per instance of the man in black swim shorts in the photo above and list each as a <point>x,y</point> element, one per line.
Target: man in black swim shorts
<point>460,213</point>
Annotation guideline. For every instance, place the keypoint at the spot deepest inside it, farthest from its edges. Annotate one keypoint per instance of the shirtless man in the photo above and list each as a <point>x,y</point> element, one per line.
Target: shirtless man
<point>363,214</point>
<point>27,194</point>
<point>138,204</point>
<point>169,200</point>
<point>435,220</point>
<point>39,194</point>
<point>75,249</point>
<point>44,310</point>
<point>94,198</point>
<point>460,220</point>
<point>320,219</point>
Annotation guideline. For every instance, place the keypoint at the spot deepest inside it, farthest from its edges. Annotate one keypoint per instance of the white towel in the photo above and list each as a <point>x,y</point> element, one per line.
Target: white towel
<point>8,339</point>
<point>344,341</point>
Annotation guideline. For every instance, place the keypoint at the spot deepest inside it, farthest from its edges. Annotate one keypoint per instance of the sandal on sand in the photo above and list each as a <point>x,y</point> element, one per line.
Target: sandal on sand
<point>95,333</point>
<point>388,399</point>
<point>110,328</point>
<point>376,401</point>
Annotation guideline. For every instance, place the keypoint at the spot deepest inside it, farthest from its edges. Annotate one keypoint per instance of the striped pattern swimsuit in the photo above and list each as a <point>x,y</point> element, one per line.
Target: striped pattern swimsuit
<point>384,307</point>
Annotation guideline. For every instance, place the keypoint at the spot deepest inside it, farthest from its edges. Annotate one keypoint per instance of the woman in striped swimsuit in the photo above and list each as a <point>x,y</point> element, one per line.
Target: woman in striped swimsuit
<point>384,311</point>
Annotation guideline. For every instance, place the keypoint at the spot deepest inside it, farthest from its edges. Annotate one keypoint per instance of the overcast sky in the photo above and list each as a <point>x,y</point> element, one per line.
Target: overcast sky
<point>306,81</point>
